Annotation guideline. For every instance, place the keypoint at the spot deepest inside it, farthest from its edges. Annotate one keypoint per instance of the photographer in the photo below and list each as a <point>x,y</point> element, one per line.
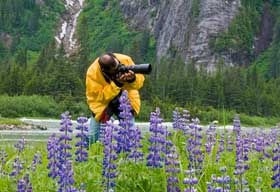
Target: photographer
<point>104,84</point>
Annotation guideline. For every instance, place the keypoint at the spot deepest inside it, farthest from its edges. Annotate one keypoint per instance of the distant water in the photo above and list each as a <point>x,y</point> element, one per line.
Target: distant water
<point>53,126</point>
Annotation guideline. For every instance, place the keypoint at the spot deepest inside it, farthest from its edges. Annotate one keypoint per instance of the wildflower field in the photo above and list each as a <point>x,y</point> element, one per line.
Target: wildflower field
<point>186,158</point>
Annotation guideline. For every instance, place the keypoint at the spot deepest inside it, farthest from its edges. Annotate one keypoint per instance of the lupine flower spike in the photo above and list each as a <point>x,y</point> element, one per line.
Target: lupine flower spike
<point>136,154</point>
<point>180,121</point>
<point>65,167</point>
<point>17,167</point>
<point>82,145</point>
<point>221,147</point>
<point>220,183</point>
<point>36,160</point>
<point>276,168</point>
<point>20,145</point>
<point>126,125</point>
<point>157,139</point>
<point>128,137</point>
<point>24,184</point>
<point>190,181</point>
<point>66,180</point>
<point>65,137</point>
<point>194,143</point>
<point>172,170</point>
<point>110,157</point>
<point>211,138</point>
<point>242,150</point>
<point>53,156</point>
<point>18,164</point>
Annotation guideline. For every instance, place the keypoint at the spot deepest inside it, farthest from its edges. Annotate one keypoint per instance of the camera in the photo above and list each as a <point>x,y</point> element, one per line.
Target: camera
<point>139,68</point>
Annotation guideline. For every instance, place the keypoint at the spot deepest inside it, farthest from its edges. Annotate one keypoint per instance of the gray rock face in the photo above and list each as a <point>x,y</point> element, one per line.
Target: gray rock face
<point>176,27</point>
<point>215,16</point>
<point>7,39</point>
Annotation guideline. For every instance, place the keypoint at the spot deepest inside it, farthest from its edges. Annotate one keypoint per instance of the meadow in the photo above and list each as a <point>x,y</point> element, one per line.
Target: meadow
<point>184,158</point>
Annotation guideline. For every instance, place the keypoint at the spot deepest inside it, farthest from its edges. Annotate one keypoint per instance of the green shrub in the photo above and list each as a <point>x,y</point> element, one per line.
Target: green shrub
<point>32,106</point>
<point>75,108</point>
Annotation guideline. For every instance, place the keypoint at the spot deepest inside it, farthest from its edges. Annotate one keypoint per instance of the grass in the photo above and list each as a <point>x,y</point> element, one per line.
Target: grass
<point>11,121</point>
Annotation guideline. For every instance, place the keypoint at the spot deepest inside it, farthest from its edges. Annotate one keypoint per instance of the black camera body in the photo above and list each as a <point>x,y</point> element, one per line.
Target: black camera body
<point>139,68</point>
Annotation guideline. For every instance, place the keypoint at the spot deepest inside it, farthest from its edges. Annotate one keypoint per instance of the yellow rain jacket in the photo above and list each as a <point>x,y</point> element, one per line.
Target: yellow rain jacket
<point>99,92</point>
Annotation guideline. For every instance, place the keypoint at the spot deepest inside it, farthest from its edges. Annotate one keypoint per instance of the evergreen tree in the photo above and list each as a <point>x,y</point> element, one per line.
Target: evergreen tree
<point>21,58</point>
<point>14,81</point>
<point>84,51</point>
<point>233,86</point>
<point>35,84</point>
<point>29,4</point>
<point>33,23</point>
<point>3,51</point>
<point>274,68</point>
<point>63,81</point>
<point>46,57</point>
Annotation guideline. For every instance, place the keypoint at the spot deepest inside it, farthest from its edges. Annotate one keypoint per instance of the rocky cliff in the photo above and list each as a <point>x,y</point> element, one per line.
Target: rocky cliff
<point>182,27</point>
<point>68,25</point>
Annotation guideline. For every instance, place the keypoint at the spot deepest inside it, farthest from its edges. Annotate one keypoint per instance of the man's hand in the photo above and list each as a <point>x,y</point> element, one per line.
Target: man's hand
<point>126,77</point>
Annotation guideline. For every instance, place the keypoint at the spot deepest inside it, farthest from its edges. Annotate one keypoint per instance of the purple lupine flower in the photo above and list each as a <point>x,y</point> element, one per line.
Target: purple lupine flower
<point>221,148</point>
<point>20,145</point>
<point>66,179</point>
<point>24,184</point>
<point>236,124</point>
<point>172,170</point>
<point>211,138</point>
<point>17,167</point>
<point>21,185</point>
<point>53,156</point>
<point>274,133</point>
<point>194,143</point>
<point>176,124</point>
<point>60,163</point>
<point>136,137</point>
<point>3,159</point>
<point>209,186</point>
<point>180,121</point>
<point>171,163</point>
<point>65,137</point>
<point>128,137</point>
<point>157,139</point>
<point>37,159</point>
<point>82,145</point>
<point>102,132</point>
<point>276,167</point>
<point>220,183</point>
<point>186,119</point>
<point>110,157</point>
<point>242,151</point>
<point>126,125</point>
<point>260,142</point>
<point>65,171</point>
<point>190,181</point>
